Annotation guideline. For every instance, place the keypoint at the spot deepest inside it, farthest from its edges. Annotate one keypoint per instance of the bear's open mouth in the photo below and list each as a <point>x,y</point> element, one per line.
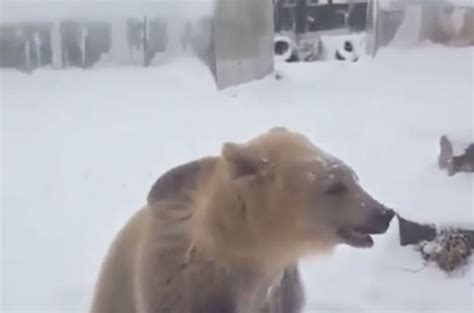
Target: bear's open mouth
<point>356,237</point>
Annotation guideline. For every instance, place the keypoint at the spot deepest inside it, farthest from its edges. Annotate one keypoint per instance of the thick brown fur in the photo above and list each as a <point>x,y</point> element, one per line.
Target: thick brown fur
<point>223,234</point>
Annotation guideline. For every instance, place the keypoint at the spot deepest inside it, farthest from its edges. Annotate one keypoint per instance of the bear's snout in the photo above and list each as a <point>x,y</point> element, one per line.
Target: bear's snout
<point>379,220</point>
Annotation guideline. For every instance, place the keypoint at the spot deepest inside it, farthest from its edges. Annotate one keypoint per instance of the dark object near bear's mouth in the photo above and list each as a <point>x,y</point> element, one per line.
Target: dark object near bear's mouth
<point>355,237</point>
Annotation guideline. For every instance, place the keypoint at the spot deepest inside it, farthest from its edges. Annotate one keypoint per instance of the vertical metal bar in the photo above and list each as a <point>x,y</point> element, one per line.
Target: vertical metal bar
<point>146,60</point>
<point>28,54</point>
<point>377,26</point>
<point>373,27</point>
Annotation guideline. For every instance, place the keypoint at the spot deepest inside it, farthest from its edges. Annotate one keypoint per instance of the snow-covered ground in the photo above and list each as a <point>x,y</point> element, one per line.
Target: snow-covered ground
<point>80,150</point>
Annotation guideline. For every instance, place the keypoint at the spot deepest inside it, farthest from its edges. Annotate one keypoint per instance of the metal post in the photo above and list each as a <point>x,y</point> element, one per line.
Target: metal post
<point>373,27</point>
<point>146,56</point>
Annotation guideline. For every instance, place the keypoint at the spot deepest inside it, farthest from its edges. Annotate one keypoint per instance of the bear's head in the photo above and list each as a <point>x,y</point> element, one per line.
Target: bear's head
<point>280,197</point>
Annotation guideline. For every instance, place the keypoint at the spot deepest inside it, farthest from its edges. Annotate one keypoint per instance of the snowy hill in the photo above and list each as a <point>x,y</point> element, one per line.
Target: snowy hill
<point>80,150</point>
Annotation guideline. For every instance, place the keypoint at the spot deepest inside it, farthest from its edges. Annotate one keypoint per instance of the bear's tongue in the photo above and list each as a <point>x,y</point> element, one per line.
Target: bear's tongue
<point>355,238</point>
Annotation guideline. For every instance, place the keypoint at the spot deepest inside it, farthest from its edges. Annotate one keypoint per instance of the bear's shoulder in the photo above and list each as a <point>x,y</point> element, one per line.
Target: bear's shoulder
<point>176,183</point>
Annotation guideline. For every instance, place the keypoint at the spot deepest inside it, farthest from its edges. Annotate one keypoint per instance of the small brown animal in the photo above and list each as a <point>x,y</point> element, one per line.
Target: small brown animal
<point>455,163</point>
<point>223,234</point>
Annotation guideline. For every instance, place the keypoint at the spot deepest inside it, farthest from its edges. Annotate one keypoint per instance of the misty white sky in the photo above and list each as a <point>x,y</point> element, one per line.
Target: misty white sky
<point>109,1</point>
<point>38,10</point>
<point>28,10</point>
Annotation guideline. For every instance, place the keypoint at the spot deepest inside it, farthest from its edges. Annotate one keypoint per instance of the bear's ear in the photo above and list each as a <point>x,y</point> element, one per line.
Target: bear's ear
<point>279,129</point>
<point>243,161</point>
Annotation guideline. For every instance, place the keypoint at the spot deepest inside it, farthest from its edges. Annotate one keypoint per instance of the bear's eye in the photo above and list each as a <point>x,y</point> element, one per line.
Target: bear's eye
<point>336,189</point>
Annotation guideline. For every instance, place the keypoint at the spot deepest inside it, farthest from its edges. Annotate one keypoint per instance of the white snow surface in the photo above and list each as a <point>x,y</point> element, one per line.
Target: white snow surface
<point>80,149</point>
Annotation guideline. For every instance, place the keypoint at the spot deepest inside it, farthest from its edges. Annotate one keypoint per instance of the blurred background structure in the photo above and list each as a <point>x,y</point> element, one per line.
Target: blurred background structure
<point>84,34</point>
<point>235,38</point>
<point>405,23</point>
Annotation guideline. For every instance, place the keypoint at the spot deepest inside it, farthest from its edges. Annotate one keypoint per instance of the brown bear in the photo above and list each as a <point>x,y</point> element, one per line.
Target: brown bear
<point>223,234</point>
